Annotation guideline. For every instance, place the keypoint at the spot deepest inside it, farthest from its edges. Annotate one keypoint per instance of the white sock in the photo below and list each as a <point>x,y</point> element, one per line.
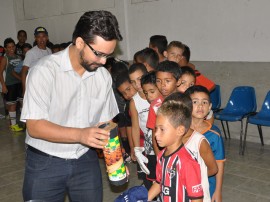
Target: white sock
<point>12,117</point>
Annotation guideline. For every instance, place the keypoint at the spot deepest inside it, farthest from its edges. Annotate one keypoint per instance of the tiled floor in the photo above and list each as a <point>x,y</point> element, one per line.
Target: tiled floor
<point>246,179</point>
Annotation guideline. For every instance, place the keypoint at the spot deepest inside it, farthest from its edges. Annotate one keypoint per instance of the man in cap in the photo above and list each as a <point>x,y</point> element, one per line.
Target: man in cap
<point>37,52</point>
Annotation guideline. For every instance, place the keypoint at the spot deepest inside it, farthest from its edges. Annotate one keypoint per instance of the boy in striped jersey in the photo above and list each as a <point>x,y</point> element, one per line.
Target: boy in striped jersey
<point>178,174</point>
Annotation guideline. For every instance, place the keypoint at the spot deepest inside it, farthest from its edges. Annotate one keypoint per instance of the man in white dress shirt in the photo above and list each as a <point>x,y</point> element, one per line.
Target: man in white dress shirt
<point>67,95</point>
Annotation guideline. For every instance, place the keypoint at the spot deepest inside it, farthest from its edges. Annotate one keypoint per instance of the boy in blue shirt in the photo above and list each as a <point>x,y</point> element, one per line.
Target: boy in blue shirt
<point>201,105</point>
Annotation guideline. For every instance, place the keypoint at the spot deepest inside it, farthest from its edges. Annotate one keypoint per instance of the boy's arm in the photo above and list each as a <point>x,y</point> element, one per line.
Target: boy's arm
<point>16,75</point>
<point>135,132</point>
<point>154,142</point>
<point>154,191</point>
<point>151,123</point>
<point>23,77</point>
<point>135,128</point>
<point>3,64</point>
<point>131,145</point>
<point>217,196</point>
<point>208,157</point>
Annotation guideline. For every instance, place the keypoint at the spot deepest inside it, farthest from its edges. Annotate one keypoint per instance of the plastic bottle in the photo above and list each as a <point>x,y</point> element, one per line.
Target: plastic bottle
<point>113,156</point>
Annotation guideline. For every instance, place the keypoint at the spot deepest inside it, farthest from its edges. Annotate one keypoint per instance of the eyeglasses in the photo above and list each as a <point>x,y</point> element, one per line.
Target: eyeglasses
<point>98,54</point>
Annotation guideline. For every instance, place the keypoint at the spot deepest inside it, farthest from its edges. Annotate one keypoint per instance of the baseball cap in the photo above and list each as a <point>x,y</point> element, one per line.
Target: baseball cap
<point>40,30</point>
<point>134,194</point>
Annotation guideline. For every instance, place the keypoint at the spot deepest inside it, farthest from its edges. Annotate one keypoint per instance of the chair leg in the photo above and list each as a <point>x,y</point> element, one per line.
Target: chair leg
<point>225,135</point>
<point>245,137</point>
<point>228,129</point>
<point>241,138</point>
<point>261,134</point>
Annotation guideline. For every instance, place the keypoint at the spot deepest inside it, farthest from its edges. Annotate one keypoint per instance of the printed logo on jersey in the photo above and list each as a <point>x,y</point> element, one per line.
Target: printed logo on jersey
<point>197,188</point>
<point>170,172</point>
<point>166,190</point>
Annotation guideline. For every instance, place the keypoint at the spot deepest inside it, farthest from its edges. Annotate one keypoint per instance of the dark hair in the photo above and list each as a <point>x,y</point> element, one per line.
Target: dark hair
<point>160,42</point>
<point>26,45</point>
<point>180,97</point>
<point>137,66</point>
<point>170,67</point>
<point>63,45</point>
<point>176,44</point>
<point>149,56</point>
<point>7,41</point>
<point>121,78</point>
<point>22,31</point>
<point>178,113</point>
<point>186,52</point>
<point>117,68</point>
<point>188,70</point>
<point>149,78</point>
<point>137,55</point>
<point>97,23</point>
<point>198,89</point>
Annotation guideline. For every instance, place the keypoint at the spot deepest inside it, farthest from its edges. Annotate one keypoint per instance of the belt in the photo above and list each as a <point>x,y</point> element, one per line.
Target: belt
<point>36,151</point>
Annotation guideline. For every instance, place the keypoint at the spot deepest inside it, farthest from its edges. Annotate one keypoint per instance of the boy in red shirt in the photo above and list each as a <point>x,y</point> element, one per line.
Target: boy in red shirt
<point>178,174</point>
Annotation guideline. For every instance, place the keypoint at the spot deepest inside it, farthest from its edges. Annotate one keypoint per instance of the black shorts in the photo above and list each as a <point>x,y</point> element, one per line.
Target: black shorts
<point>120,120</point>
<point>14,93</point>
<point>151,165</point>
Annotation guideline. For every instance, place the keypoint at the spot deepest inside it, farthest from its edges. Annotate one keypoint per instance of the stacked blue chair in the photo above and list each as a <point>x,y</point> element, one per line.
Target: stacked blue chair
<point>262,118</point>
<point>215,97</point>
<point>241,103</point>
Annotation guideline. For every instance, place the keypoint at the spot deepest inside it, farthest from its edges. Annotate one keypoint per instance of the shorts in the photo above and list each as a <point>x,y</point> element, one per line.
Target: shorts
<point>121,120</point>
<point>152,162</point>
<point>14,93</point>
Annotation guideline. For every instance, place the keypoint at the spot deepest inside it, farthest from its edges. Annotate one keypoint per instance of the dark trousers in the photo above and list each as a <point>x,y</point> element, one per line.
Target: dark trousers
<point>49,178</point>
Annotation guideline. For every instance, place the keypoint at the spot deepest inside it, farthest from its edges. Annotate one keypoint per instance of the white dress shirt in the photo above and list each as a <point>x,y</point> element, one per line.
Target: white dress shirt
<point>55,92</point>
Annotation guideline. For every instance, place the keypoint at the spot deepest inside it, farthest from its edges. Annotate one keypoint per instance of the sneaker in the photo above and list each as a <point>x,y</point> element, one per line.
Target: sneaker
<point>127,158</point>
<point>16,128</point>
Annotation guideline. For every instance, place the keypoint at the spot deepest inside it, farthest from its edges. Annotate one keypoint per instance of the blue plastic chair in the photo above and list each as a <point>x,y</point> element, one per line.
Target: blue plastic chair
<point>215,97</point>
<point>262,118</point>
<point>241,103</point>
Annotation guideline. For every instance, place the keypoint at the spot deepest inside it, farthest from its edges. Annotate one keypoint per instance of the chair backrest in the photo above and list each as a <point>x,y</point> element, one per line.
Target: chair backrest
<point>265,110</point>
<point>242,100</point>
<point>215,97</point>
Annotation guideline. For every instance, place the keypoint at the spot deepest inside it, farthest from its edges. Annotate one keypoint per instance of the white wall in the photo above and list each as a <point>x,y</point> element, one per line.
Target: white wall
<point>59,17</point>
<point>7,21</point>
<point>215,30</point>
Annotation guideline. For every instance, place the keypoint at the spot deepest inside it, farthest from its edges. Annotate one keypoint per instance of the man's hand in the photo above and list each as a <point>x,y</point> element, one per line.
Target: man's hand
<point>94,137</point>
<point>141,159</point>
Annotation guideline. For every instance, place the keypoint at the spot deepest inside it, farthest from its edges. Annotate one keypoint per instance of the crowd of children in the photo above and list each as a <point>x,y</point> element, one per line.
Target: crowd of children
<point>165,120</point>
<point>179,152</point>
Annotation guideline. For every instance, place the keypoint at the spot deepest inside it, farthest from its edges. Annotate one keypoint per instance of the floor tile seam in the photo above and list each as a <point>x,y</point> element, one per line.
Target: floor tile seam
<point>249,166</point>
<point>247,192</point>
<point>238,190</point>
<point>13,182</point>
<point>12,172</point>
<point>249,178</point>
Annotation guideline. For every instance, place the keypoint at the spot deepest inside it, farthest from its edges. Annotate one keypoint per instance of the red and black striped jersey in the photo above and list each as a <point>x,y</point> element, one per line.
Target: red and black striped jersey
<point>179,176</point>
